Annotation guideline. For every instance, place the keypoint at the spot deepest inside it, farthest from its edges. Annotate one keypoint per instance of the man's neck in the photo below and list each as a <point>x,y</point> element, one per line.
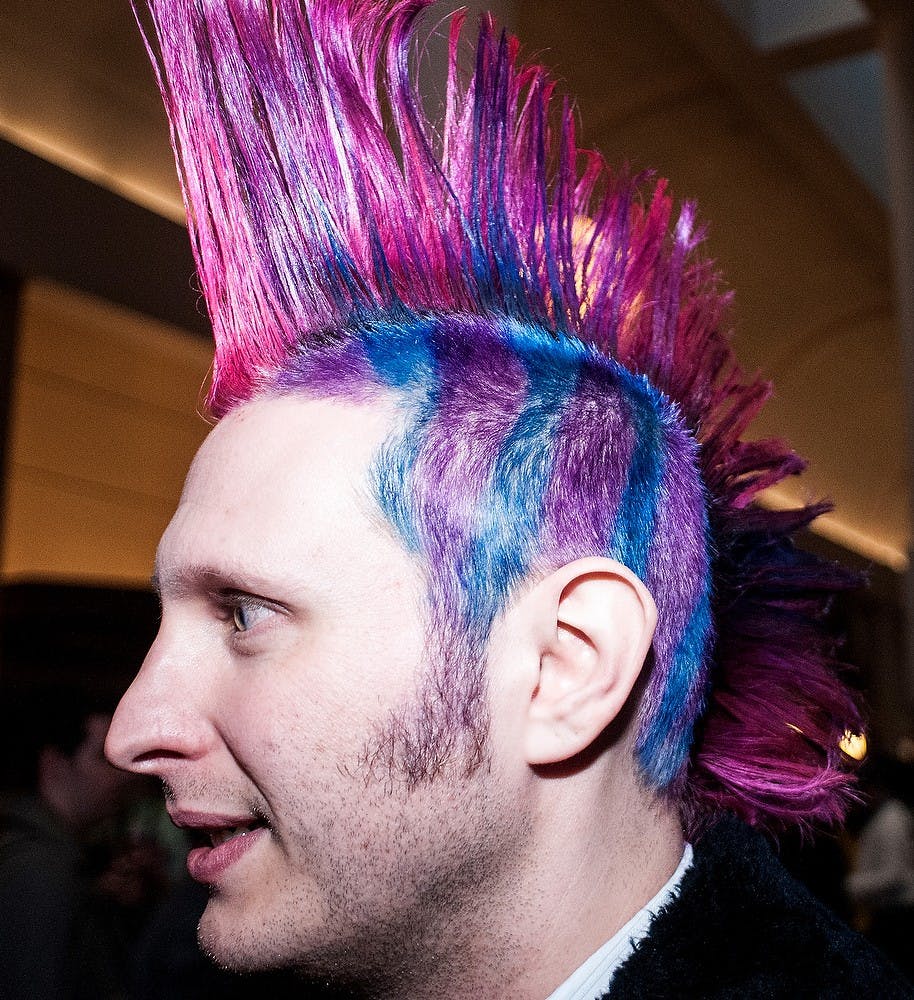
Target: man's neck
<point>583,880</point>
<point>595,888</point>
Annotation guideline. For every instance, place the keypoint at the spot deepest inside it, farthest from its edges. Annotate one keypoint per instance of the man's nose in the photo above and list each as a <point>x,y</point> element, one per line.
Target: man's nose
<point>158,720</point>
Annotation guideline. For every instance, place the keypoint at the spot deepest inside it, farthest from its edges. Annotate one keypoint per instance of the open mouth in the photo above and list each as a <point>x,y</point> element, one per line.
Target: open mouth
<point>217,836</point>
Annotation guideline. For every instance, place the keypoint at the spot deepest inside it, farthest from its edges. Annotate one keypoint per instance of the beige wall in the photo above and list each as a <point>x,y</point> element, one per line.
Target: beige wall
<point>103,426</point>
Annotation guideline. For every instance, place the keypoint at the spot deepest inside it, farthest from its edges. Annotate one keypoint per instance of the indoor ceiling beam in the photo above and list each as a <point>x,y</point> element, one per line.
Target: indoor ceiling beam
<point>760,92</point>
<point>56,225</point>
<point>809,52</point>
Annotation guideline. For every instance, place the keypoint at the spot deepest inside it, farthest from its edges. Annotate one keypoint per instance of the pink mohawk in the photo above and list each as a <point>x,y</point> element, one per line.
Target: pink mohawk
<point>320,197</point>
<point>307,208</point>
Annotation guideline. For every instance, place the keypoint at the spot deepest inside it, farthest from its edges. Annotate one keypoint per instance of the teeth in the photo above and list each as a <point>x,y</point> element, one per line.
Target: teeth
<point>219,837</point>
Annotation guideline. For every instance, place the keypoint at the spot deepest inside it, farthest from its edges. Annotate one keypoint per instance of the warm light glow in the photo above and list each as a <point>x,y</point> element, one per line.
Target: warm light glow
<point>837,531</point>
<point>853,744</point>
<point>94,172</point>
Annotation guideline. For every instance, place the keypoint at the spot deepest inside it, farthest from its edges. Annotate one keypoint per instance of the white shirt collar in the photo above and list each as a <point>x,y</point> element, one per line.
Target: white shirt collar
<point>591,980</point>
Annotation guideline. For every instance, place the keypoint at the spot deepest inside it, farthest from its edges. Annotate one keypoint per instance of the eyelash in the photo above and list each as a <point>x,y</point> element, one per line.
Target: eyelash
<point>236,604</point>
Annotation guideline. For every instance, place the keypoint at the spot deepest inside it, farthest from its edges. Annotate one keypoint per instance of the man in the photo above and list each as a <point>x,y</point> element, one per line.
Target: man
<point>468,615</point>
<point>57,788</point>
<point>881,884</point>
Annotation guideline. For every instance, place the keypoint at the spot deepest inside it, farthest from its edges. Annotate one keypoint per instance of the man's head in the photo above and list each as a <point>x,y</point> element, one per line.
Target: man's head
<point>53,745</point>
<point>292,679</point>
<point>481,418</point>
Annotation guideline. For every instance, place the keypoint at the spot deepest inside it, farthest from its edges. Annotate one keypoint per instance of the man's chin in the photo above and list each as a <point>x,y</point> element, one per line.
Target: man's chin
<point>234,944</point>
<point>247,944</point>
<point>241,938</point>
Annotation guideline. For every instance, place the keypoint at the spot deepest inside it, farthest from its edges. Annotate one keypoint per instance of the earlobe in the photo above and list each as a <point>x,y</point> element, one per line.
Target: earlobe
<point>604,622</point>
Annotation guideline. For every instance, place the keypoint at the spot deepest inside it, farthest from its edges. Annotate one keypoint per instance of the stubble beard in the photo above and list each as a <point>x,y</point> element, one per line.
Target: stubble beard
<point>399,860</point>
<point>403,896</point>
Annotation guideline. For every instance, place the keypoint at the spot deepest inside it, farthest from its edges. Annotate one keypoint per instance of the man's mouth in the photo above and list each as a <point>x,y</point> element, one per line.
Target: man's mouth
<point>218,836</point>
<point>214,830</point>
<point>219,842</point>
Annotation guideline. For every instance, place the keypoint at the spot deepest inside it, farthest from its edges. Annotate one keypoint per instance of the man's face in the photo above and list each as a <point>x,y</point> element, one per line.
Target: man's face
<point>292,630</point>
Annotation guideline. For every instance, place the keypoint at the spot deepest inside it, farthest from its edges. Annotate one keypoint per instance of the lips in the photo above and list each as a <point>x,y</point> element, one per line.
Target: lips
<point>223,841</point>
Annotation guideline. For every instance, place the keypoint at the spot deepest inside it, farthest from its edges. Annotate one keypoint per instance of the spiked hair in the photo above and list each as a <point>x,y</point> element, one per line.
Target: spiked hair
<point>518,295</point>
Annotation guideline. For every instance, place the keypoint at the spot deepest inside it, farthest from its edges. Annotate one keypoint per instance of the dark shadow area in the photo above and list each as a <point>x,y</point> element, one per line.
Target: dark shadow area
<point>95,900</point>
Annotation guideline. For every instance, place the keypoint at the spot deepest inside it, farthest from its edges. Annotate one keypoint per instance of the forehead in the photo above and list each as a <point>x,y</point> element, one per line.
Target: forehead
<point>279,480</point>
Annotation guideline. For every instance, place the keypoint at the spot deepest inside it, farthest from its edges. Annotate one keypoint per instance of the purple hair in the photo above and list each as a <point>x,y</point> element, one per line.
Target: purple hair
<point>558,346</point>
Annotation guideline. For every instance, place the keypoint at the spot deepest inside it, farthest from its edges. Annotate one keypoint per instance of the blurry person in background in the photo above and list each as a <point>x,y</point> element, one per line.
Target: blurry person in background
<point>57,788</point>
<point>478,657</point>
<point>882,880</point>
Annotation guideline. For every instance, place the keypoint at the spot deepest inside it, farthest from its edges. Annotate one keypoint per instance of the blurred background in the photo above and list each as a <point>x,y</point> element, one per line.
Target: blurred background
<point>791,122</point>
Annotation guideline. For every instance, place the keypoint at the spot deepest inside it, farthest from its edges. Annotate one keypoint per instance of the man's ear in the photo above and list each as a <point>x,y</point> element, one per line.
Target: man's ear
<point>601,624</point>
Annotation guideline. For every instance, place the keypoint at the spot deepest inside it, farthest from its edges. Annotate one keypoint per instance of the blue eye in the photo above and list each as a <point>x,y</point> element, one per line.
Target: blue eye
<point>246,614</point>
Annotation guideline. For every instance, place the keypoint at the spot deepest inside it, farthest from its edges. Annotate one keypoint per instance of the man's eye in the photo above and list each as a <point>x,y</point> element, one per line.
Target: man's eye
<point>247,614</point>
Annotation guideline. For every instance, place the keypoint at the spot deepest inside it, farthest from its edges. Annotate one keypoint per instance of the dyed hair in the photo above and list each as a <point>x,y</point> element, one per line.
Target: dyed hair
<point>559,351</point>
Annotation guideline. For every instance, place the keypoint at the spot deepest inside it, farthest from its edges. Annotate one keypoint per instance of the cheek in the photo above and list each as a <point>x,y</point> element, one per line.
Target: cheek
<point>323,695</point>
<point>282,719</point>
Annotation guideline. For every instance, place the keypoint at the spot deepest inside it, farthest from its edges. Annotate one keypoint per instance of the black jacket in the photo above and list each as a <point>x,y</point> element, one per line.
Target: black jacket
<point>741,927</point>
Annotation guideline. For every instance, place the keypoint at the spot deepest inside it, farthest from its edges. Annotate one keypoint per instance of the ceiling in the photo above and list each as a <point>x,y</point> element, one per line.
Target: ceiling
<point>767,113</point>
<point>826,53</point>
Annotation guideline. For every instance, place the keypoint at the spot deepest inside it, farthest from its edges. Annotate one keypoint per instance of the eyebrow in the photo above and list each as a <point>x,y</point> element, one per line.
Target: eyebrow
<point>196,577</point>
